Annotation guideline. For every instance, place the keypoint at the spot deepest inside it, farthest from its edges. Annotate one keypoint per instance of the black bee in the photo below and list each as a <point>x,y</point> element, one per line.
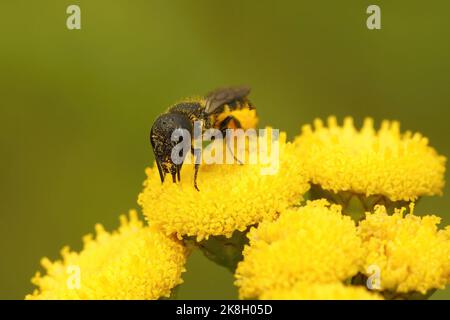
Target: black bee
<point>182,116</point>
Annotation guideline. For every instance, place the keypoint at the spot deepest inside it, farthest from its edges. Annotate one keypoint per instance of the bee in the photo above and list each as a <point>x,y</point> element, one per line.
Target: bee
<point>214,110</point>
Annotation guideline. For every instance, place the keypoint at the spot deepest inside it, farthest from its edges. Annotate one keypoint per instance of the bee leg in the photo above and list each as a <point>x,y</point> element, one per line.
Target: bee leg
<point>178,173</point>
<point>196,166</point>
<point>223,128</point>
<point>174,177</point>
<point>232,153</point>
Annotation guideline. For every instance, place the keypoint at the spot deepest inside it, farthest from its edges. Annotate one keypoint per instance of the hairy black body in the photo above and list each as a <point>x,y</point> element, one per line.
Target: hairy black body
<point>183,115</point>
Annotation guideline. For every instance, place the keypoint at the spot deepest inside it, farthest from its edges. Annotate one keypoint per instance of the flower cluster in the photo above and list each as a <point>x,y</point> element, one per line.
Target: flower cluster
<point>399,166</point>
<point>134,262</point>
<point>311,251</point>
<point>232,196</point>
<point>259,226</point>
<point>410,251</point>
<point>315,245</point>
<point>310,244</point>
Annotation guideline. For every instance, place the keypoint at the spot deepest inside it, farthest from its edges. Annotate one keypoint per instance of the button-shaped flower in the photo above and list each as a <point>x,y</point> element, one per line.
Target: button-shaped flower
<point>312,244</point>
<point>134,262</point>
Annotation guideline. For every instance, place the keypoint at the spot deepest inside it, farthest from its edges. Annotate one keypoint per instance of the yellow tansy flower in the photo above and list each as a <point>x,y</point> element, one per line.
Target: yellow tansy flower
<point>311,244</point>
<point>231,197</point>
<point>135,262</point>
<point>328,291</point>
<point>399,166</point>
<point>410,252</point>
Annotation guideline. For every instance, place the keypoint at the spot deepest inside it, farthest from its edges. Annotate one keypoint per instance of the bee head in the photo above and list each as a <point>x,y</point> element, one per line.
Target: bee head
<point>165,135</point>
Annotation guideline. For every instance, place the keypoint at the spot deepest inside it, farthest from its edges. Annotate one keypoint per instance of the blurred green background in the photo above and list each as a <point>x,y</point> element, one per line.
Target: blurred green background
<point>76,106</point>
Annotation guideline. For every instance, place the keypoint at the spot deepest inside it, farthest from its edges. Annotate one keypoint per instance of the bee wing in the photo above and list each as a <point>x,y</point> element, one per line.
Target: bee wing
<point>222,96</point>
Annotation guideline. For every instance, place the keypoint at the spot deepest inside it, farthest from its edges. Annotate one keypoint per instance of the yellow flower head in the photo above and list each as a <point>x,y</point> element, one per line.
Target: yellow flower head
<point>135,262</point>
<point>328,291</point>
<point>231,197</point>
<point>410,252</point>
<point>310,244</point>
<point>400,166</point>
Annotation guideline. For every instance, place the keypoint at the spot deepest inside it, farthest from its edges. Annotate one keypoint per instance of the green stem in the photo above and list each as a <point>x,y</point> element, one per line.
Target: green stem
<point>354,204</point>
<point>226,252</point>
